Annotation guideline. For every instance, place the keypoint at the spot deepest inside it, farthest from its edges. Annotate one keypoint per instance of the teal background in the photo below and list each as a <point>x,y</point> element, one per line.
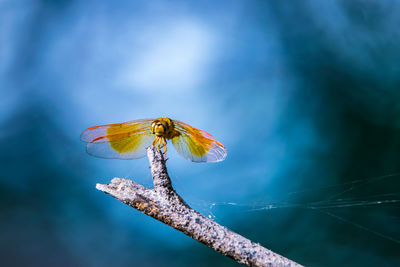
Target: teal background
<point>304,94</point>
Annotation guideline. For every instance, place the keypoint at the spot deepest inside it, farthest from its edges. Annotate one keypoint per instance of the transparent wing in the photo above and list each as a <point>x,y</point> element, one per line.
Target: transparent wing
<point>127,140</point>
<point>197,145</point>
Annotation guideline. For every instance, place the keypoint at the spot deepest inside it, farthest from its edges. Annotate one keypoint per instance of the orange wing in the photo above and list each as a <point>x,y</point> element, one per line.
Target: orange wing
<point>197,145</point>
<point>127,140</point>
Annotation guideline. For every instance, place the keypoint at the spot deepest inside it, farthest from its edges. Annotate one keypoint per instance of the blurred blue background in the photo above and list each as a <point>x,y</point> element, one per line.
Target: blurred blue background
<point>304,94</point>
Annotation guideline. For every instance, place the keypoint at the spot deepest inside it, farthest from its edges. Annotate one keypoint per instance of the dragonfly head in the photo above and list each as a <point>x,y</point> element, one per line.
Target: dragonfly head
<point>162,127</point>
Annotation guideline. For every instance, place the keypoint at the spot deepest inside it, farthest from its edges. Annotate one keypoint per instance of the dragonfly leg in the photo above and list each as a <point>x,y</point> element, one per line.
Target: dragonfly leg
<point>160,143</point>
<point>155,141</point>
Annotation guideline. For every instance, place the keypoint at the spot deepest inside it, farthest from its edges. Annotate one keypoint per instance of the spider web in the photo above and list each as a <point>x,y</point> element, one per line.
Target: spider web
<point>335,201</point>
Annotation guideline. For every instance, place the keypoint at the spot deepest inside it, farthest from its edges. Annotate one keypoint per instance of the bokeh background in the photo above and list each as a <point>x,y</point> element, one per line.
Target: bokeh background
<point>305,95</point>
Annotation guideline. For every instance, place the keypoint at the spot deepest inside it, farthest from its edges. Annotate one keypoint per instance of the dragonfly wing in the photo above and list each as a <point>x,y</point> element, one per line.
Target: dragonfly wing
<point>118,128</point>
<point>197,145</point>
<point>127,140</point>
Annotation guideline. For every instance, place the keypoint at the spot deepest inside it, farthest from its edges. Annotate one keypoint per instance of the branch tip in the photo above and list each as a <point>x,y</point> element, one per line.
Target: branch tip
<point>101,187</point>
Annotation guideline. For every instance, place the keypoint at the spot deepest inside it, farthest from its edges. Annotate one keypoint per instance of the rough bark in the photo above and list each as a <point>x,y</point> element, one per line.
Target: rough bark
<point>165,205</point>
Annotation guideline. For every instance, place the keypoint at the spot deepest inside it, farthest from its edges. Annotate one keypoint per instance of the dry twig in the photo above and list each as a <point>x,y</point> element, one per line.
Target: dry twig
<point>165,205</point>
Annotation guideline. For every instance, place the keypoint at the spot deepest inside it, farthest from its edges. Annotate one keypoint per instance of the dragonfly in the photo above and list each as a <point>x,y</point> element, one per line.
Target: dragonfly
<point>129,140</point>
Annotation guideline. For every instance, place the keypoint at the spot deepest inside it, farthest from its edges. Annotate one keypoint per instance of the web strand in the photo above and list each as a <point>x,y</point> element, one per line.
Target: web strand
<point>333,201</point>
